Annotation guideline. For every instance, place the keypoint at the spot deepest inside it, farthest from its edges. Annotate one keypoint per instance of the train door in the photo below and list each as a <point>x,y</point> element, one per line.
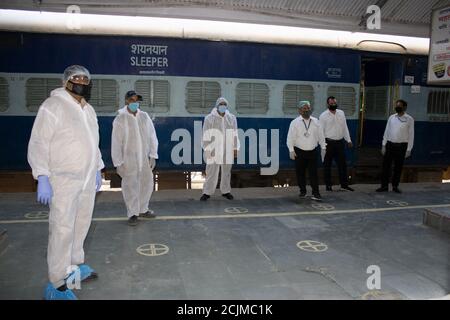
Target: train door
<point>379,88</point>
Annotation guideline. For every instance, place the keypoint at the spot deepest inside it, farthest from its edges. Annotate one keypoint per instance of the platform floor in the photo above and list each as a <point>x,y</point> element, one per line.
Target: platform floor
<point>265,244</point>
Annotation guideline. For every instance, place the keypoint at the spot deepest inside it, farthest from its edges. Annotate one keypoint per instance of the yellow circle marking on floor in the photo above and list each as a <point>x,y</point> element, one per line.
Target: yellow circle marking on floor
<point>37,215</point>
<point>312,246</point>
<point>397,203</point>
<point>152,249</point>
<point>323,206</point>
<point>236,210</point>
<point>381,295</point>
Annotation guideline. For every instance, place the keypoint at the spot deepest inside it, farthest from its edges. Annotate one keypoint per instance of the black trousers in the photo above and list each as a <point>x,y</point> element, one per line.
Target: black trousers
<point>306,160</point>
<point>336,152</point>
<point>395,152</point>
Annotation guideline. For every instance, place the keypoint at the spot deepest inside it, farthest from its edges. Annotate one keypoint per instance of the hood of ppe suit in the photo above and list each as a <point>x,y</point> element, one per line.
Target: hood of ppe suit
<point>64,139</point>
<point>220,100</point>
<point>133,141</point>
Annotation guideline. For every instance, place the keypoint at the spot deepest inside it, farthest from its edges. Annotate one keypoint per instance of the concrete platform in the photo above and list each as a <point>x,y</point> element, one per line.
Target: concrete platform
<point>438,218</point>
<point>265,244</point>
<point>3,241</point>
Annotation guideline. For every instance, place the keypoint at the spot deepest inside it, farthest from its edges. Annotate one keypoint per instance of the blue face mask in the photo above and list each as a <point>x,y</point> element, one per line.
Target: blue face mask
<point>133,106</point>
<point>222,108</point>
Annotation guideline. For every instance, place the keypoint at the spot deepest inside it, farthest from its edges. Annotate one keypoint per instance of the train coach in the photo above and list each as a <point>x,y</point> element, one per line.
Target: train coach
<point>180,79</point>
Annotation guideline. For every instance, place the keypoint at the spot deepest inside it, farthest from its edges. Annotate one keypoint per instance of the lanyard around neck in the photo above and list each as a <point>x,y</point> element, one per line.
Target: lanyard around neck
<point>309,124</point>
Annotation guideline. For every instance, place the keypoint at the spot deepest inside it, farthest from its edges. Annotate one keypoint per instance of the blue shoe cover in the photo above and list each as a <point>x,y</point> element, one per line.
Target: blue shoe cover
<point>86,272</point>
<point>51,293</point>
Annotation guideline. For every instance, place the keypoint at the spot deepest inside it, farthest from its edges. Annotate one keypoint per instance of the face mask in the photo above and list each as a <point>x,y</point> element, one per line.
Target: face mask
<point>306,114</point>
<point>222,108</point>
<point>333,107</point>
<point>133,106</point>
<point>399,109</point>
<point>83,90</point>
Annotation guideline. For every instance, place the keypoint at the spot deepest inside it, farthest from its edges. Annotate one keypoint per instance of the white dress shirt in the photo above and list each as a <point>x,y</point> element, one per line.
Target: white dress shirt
<point>400,130</point>
<point>296,135</point>
<point>335,125</point>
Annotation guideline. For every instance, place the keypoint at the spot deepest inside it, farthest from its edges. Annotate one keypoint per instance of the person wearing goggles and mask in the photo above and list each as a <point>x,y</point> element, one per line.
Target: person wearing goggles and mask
<point>65,158</point>
<point>134,150</point>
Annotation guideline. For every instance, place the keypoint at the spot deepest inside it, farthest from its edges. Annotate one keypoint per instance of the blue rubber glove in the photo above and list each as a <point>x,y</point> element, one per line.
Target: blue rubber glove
<point>98,181</point>
<point>44,191</point>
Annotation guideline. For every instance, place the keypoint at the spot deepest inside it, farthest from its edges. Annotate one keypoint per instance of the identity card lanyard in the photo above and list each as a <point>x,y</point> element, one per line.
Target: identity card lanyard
<point>307,128</point>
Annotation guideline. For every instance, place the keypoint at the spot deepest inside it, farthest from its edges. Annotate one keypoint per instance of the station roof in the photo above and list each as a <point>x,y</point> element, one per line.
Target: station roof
<point>398,17</point>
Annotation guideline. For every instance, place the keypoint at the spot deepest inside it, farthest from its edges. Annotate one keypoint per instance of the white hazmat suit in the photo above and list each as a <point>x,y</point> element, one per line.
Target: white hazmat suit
<point>220,140</point>
<point>64,146</point>
<point>133,144</point>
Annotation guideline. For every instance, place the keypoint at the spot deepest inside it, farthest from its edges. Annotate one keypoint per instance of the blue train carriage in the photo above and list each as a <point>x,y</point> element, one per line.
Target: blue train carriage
<point>388,78</point>
<point>180,79</point>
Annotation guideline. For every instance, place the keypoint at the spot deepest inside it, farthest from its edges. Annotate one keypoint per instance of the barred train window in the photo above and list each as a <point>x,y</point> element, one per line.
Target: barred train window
<point>252,98</point>
<point>346,98</point>
<point>293,93</point>
<point>201,96</point>
<point>104,95</point>
<point>38,89</point>
<point>155,95</point>
<point>4,95</point>
<point>438,107</point>
<point>376,101</point>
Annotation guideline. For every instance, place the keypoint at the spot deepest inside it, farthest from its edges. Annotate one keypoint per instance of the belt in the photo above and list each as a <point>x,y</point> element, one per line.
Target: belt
<point>332,140</point>
<point>397,143</point>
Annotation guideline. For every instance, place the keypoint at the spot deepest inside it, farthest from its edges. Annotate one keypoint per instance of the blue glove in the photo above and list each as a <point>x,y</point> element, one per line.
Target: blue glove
<point>44,191</point>
<point>98,181</point>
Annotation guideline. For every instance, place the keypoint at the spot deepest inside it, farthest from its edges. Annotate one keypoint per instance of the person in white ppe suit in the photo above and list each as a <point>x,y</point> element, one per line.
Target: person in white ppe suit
<point>65,158</point>
<point>134,150</point>
<point>221,145</point>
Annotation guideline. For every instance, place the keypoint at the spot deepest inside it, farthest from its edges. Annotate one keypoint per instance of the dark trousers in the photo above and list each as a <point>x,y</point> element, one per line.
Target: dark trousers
<point>306,160</point>
<point>336,152</point>
<point>395,152</point>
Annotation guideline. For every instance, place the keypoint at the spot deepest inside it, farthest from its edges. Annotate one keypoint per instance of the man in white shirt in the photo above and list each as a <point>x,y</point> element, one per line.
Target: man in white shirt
<point>398,141</point>
<point>304,135</point>
<point>336,134</point>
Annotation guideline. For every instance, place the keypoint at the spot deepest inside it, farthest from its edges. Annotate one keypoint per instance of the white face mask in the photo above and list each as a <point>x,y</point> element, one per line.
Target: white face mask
<point>222,108</point>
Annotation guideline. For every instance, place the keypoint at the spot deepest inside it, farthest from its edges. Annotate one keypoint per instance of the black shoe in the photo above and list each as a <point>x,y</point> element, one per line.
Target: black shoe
<point>147,215</point>
<point>228,195</point>
<point>396,190</point>
<point>329,188</point>
<point>133,221</point>
<point>204,197</point>
<point>347,188</point>
<point>382,189</point>
<point>316,197</point>
<point>302,195</point>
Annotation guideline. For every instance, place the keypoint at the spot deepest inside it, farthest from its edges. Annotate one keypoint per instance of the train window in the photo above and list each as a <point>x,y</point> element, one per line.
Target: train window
<point>438,107</point>
<point>293,93</point>
<point>346,98</point>
<point>201,96</point>
<point>39,89</point>
<point>376,101</point>
<point>104,95</point>
<point>252,98</point>
<point>4,95</point>
<point>155,95</point>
